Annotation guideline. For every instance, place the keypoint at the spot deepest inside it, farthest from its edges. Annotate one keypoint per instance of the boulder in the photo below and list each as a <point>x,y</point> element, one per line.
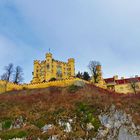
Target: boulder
<point>79,83</point>
<point>125,135</point>
<point>47,127</point>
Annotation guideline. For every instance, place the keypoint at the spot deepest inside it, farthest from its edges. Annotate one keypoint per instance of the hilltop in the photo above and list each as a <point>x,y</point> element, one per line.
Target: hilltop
<point>69,113</point>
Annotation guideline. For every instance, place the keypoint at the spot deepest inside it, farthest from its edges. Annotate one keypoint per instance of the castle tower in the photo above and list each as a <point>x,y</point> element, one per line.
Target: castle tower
<point>36,72</point>
<point>71,67</point>
<point>99,71</point>
<point>49,59</point>
<point>100,81</point>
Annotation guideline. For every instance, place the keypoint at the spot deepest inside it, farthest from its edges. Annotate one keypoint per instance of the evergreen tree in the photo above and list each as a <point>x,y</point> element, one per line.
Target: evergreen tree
<point>79,75</point>
<point>86,76</point>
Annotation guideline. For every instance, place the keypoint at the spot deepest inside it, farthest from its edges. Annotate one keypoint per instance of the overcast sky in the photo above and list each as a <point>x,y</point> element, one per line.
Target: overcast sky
<point>103,30</point>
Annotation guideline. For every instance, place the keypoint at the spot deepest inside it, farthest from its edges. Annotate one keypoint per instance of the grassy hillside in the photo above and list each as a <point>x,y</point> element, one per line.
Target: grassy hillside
<point>25,113</point>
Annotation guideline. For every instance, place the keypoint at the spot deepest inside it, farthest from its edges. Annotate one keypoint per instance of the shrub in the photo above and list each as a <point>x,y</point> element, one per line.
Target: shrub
<point>7,124</point>
<point>85,114</point>
<point>73,88</point>
<point>6,135</point>
<point>40,122</point>
<point>24,88</point>
<point>52,79</point>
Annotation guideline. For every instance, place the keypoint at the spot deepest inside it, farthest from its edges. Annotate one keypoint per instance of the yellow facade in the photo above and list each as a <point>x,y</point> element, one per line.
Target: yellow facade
<point>51,68</point>
<point>126,88</point>
<point>123,85</point>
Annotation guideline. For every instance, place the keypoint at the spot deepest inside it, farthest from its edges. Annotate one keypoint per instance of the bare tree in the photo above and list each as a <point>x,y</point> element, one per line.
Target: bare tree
<point>93,69</point>
<point>133,83</point>
<point>9,71</point>
<point>4,77</point>
<point>7,75</point>
<point>18,75</point>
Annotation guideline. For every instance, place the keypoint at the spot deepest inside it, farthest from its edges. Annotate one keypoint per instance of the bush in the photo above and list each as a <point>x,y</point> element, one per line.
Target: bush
<point>52,79</point>
<point>86,115</point>
<point>6,135</point>
<point>40,122</point>
<point>7,124</point>
<point>73,88</point>
<point>24,88</point>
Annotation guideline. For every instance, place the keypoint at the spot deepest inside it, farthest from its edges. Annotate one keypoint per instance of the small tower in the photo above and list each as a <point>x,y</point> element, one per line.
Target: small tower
<point>100,81</point>
<point>49,59</point>
<point>99,72</point>
<point>71,64</point>
<point>36,72</point>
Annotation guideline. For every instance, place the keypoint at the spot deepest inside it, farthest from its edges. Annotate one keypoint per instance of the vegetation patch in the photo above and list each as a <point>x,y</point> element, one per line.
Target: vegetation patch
<point>86,114</point>
<point>40,107</point>
<point>10,134</point>
<point>73,88</point>
<point>40,122</point>
<point>6,124</point>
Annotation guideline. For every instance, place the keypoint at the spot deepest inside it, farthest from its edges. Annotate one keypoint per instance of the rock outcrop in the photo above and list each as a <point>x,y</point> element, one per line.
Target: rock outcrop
<point>117,125</point>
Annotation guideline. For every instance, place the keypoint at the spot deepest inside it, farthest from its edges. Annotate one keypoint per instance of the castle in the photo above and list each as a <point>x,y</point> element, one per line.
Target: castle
<point>51,69</point>
<point>51,72</point>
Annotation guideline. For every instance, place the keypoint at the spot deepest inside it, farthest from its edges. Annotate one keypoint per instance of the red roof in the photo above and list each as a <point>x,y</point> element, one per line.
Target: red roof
<point>122,81</point>
<point>109,80</point>
<point>128,80</point>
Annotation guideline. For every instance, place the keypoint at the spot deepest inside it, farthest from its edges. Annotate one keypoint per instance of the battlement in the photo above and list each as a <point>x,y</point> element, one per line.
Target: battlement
<point>4,86</point>
<point>48,55</point>
<point>61,62</point>
<point>58,83</point>
<point>36,62</point>
<point>71,60</point>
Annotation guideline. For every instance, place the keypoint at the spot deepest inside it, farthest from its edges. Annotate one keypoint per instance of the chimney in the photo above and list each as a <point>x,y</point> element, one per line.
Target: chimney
<point>122,78</point>
<point>115,77</point>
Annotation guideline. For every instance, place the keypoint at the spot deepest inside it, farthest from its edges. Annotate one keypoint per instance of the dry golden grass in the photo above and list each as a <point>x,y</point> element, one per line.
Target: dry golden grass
<point>53,103</point>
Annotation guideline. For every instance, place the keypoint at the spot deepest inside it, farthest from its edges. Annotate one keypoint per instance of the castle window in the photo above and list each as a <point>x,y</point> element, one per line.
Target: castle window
<point>48,66</point>
<point>59,71</point>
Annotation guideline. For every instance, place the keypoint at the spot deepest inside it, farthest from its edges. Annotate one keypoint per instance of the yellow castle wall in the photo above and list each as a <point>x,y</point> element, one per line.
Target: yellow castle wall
<point>58,83</point>
<point>122,88</point>
<point>4,86</point>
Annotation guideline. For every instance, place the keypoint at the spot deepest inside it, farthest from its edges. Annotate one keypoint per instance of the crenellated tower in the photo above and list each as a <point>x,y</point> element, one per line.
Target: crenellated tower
<point>71,67</point>
<point>36,72</point>
<point>100,81</point>
<point>49,66</point>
